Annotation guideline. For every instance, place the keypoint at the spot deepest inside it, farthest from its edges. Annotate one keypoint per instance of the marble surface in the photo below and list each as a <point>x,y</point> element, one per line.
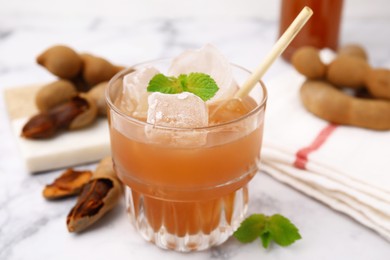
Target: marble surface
<point>32,228</point>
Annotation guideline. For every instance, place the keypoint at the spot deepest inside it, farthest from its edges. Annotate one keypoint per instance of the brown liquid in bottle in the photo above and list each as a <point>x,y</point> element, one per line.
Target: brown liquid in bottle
<point>321,31</point>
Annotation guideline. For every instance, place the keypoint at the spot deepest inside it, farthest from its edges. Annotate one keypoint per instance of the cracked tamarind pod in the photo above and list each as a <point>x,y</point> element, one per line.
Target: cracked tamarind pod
<point>77,113</point>
<point>101,194</point>
<point>97,94</point>
<point>68,184</point>
<point>55,93</point>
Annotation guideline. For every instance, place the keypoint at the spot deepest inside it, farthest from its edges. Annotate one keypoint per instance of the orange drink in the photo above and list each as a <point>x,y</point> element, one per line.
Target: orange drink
<point>186,188</point>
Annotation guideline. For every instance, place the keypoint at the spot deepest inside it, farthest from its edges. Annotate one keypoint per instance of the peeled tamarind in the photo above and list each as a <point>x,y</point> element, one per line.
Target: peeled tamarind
<point>329,103</point>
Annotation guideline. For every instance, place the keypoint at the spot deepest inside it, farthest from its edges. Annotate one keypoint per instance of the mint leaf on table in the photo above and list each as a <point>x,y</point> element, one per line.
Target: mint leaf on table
<point>196,83</point>
<point>268,228</point>
<point>250,228</point>
<point>283,232</point>
<point>266,238</point>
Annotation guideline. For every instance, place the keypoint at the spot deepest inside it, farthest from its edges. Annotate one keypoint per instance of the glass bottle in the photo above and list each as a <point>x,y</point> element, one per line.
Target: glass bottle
<point>321,31</point>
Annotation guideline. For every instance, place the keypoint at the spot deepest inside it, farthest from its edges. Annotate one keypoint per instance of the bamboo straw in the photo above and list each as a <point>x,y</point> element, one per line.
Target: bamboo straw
<point>275,52</point>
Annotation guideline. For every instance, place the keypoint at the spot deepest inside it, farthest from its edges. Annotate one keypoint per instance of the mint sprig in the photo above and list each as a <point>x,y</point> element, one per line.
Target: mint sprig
<point>268,228</point>
<point>197,83</point>
<point>164,84</point>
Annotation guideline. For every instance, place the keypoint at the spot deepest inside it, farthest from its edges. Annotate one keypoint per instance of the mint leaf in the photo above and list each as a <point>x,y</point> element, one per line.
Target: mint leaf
<point>265,238</point>
<point>201,85</point>
<point>283,232</point>
<point>250,228</point>
<point>275,228</point>
<point>164,84</point>
<point>196,83</point>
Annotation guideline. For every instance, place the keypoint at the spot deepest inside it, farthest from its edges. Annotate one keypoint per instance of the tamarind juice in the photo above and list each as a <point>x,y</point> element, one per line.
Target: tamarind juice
<point>186,189</point>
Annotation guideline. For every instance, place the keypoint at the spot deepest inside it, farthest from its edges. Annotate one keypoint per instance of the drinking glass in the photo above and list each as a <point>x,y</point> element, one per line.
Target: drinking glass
<point>186,188</point>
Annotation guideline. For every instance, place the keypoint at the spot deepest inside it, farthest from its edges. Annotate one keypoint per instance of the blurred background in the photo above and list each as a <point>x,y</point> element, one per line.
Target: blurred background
<point>129,31</point>
<point>137,9</point>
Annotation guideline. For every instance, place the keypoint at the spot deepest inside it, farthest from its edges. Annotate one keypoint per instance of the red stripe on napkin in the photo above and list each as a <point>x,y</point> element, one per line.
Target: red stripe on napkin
<point>302,154</point>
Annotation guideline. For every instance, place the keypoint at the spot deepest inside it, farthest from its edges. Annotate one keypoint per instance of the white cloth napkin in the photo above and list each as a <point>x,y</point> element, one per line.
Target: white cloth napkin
<point>347,168</point>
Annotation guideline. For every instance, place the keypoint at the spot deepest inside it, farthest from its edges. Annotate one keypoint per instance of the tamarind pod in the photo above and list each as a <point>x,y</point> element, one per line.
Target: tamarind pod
<point>54,94</point>
<point>80,84</point>
<point>65,114</point>
<point>61,60</point>
<point>76,113</point>
<point>47,124</point>
<point>353,50</point>
<point>97,93</point>
<point>325,101</point>
<point>347,71</point>
<point>378,83</point>
<point>119,68</point>
<point>96,69</point>
<point>306,60</point>
<point>98,196</point>
<point>69,183</point>
<point>88,116</point>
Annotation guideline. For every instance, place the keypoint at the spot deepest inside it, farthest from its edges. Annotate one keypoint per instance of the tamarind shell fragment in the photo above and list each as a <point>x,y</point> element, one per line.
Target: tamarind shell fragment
<point>90,205</point>
<point>331,104</point>
<point>68,184</point>
<point>97,197</point>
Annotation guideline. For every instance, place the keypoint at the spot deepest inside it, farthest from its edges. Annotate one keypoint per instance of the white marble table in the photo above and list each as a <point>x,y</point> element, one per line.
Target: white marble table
<point>32,228</point>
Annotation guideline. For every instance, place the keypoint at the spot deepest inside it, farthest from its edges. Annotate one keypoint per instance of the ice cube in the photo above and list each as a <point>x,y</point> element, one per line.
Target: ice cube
<point>210,61</point>
<point>185,111</point>
<point>234,120</point>
<point>134,88</point>
<point>125,104</point>
<point>229,110</point>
